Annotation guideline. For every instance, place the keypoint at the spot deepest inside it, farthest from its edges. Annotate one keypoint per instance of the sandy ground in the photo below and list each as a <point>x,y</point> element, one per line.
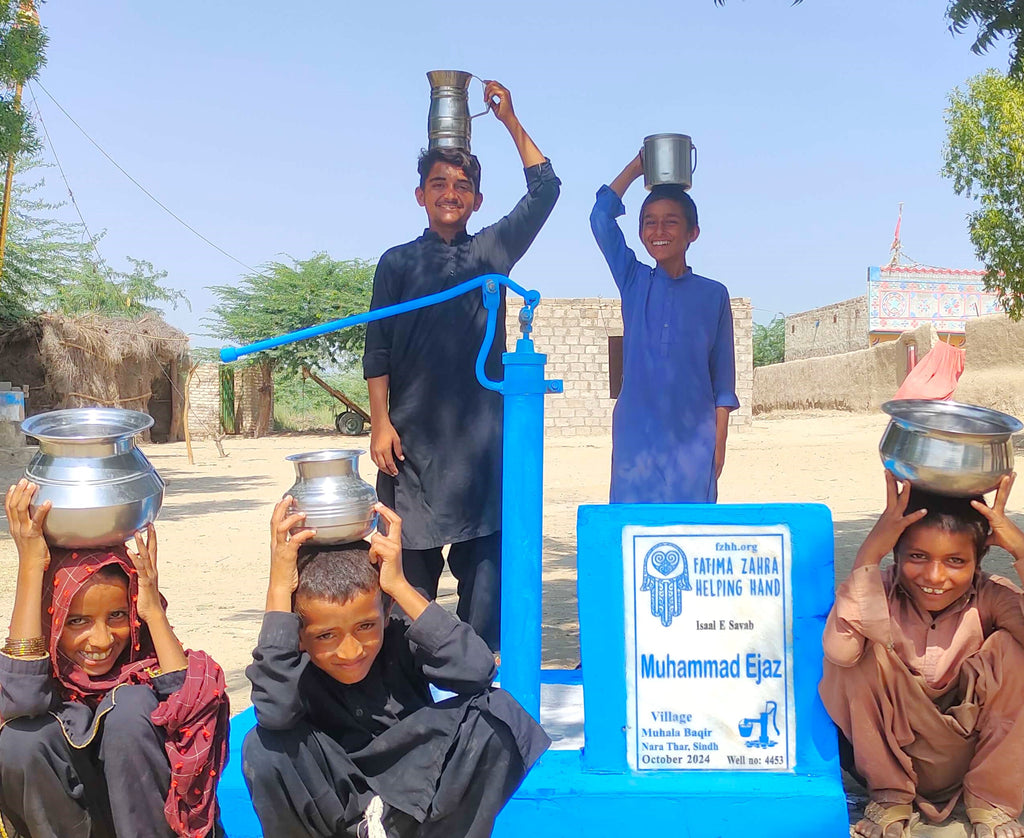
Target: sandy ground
<point>215,521</point>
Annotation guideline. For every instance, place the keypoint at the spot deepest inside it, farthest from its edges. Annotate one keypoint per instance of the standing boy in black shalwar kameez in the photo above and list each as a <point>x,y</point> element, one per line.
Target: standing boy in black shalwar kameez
<point>435,432</point>
<point>348,734</point>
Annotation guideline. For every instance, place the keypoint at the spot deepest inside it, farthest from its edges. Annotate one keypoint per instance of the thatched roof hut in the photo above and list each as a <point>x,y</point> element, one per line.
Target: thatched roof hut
<point>89,361</point>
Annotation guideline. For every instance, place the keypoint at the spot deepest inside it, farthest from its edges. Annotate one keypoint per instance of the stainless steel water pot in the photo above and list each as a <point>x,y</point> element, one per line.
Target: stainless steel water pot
<point>449,122</point>
<point>101,485</point>
<point>338,503</point>
<point>947,447</point>
<point>668,158</point>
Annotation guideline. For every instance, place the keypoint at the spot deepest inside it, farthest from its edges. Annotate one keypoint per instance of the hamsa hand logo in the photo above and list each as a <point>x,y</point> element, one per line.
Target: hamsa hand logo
<point>666,576</point>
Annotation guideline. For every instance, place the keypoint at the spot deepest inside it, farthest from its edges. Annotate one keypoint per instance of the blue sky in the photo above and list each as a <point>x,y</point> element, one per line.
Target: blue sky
<point>281,129</point>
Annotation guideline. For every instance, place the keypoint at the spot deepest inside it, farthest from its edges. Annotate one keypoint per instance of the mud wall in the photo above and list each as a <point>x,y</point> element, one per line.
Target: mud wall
<point>859,380</point>
<point>994,365</point>
<point>993,372</point>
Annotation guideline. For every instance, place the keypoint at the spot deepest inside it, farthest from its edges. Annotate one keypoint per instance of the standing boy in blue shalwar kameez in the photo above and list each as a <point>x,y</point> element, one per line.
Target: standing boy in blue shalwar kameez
<point>678,370</point>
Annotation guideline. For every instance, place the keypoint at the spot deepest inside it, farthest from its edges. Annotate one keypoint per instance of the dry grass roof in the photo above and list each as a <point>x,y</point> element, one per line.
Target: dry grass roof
<point>89,360</point>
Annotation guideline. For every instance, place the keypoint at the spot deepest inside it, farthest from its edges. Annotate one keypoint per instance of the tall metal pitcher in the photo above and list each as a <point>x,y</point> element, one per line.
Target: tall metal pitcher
<point>449,122</point>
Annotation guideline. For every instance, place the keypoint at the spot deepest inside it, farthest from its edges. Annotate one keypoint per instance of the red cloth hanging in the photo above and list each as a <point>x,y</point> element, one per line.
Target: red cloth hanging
<point>935,376</point>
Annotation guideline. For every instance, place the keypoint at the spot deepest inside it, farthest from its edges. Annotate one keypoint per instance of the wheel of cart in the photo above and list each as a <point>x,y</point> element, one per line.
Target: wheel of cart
<point>349,423</point>
<point>354,419</point>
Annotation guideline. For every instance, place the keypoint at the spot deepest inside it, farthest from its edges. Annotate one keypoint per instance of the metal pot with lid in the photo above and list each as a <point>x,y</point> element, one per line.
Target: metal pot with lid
<point>338,503</point>
<point>89,467</point>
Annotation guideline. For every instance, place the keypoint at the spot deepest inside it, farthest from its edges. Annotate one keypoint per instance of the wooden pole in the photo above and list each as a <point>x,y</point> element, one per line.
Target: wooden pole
<point>174,431</point>
<point>8,183</point>
<point>184,416</point>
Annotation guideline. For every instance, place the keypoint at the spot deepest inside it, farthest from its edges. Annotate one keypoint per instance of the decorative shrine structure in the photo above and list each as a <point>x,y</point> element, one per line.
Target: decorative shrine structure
<point>903,297</point>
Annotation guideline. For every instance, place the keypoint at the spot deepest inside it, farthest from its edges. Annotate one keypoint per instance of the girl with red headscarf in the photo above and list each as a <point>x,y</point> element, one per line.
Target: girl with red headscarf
<point>107,726</point>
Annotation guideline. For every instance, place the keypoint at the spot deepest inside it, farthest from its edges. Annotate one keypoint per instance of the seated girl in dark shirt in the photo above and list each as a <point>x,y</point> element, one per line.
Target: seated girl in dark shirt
<point>108,726</point>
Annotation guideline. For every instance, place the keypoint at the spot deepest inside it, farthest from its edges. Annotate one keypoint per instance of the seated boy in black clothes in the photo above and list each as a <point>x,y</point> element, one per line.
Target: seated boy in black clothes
<point>348,734</point>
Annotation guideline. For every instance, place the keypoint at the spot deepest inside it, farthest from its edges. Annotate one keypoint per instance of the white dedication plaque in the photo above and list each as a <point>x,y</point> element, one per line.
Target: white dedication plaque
<point>709,670</point>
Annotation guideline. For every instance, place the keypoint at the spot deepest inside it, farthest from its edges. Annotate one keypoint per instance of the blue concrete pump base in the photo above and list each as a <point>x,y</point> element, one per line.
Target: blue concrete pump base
<point>559,799</point>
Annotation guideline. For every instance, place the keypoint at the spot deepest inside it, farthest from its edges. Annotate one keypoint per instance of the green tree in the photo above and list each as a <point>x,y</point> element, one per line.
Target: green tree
<point>42,250</point>
<point>53,265</point>
<point>770,342</point>
<point>984,157</point>
<point>22,55</point>
<point>284,298</point>
<point>995,19</point>
<point>98,288</point>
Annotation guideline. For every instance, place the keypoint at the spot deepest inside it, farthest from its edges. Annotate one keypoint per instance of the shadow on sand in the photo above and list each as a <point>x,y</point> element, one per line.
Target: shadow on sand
<point>180,486</point>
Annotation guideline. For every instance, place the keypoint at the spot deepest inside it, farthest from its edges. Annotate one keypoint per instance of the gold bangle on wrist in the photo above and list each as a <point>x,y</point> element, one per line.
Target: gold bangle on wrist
<point>33,647</point>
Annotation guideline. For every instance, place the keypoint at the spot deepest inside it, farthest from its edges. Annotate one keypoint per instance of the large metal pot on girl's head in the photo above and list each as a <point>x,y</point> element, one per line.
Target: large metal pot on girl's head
<point>101,485</point>
<point>947,447</point>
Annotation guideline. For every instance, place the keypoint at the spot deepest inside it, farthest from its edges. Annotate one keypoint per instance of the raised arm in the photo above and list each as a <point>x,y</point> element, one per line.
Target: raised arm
<point>1007,606</point>
<point>277,664</point>
<point>506,241</point>
<point>150,606</point>
<point>449,653</point>
<point>607,208</point>
<point>624,179</point>
<point>500,102</point>
<point>1005,533</point>
<point>26,679</point>
<point>33,560</point>
<point>861,610</point>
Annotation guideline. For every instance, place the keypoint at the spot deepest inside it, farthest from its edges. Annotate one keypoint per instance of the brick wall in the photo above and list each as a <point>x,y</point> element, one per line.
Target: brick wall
<point>743,340</point>
<point>829,330</point>
<point>254,400</point>
<point>574,333</point>
<point>204,402</point>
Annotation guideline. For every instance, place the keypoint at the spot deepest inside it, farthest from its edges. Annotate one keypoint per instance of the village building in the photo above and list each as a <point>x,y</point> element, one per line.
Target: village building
<point>899,298</point>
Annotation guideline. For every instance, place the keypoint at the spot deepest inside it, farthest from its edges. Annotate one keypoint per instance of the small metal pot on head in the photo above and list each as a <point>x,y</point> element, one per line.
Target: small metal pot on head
<point>338,503</point>
<point>668,158</point>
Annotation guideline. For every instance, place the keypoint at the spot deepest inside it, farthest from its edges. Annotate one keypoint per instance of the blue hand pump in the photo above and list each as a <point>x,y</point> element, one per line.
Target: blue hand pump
<point>523,390</point>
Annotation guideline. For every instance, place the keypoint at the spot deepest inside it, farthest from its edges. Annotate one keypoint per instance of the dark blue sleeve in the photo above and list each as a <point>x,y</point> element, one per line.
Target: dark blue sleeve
<point>380,333</point>
<point>449,653</point>
<point>26,687</point>
<point>620,258</point>
<point>512,235</point>
<point>722,363</point>
<point>168,683</point>
<point>277,665</point>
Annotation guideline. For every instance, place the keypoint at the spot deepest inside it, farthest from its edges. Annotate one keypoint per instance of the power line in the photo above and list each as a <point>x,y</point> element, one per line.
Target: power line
<point>152,197</point>
<point>64,177</point>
